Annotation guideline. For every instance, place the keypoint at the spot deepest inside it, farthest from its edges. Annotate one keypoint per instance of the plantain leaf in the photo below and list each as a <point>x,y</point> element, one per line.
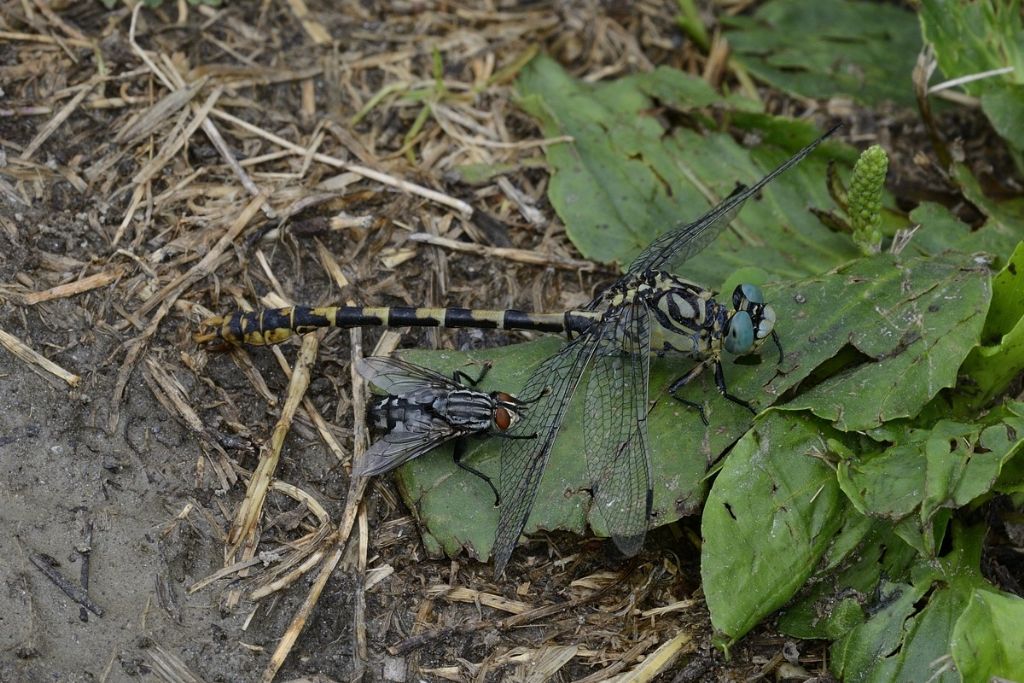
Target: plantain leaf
<point>769,518</point>
<point>822,50</point>
<point>625,179</point>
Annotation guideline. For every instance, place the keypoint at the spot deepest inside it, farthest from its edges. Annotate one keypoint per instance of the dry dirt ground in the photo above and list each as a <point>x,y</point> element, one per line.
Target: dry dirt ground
<point>138,470</point>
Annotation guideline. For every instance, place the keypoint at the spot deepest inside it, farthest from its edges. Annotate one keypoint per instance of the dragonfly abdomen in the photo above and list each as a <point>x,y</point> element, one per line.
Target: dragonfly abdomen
<point>275,325</point>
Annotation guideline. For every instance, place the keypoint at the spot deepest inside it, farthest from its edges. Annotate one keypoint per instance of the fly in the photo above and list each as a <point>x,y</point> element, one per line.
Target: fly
<point>424,409</point>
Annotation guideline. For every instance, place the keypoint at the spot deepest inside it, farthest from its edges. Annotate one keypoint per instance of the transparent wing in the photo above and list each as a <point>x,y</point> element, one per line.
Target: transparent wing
<point>616,424</point>
<point>523,459</point>
<point>397,377</point>
<point>398,447</point>
<point>678,245</point>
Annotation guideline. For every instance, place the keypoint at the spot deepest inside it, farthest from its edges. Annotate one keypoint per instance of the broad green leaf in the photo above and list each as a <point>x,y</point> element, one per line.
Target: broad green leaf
<point>1003,228</point>
<point>826,49</point>
<point>769,518</point>
<point>988,639</point>
<point>933,470</point>
<point>975,37</point>
<point>924,651</point>
<point>888,485</point>
<point>1004,107</point>
<point>625,179</point>
<point>1007,307</point>
<point>941,231</point>
<point>909,325</point>
<point>835,598</point>
<point>993,365</point>
<point>972,37</point>
<point>908,637</point>
<point>866,646</point>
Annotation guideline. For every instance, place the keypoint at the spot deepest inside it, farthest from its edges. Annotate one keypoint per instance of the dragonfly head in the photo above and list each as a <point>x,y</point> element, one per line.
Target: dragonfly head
<point>751,321</point>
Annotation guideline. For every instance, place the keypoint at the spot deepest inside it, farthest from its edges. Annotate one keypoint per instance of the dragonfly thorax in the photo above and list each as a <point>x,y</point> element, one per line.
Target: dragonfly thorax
<point>685,318</point>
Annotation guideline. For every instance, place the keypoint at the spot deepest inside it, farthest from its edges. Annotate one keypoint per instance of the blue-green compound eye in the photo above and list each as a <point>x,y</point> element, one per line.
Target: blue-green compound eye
<point>753,294</point>
<point>740,337</point>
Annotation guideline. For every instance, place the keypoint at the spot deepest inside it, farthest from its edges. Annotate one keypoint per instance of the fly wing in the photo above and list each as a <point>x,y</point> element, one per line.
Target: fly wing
<point>616,422</point>
<point>678,245</point>
<point>398,447</point>
<point>397,377</point>
<point>523,459</point>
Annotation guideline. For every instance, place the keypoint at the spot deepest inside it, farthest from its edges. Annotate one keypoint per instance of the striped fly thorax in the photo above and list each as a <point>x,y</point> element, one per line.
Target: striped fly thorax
<point>426,410</point>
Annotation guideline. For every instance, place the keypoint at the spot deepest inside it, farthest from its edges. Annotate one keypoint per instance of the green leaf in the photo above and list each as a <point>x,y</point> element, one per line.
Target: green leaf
<point>826,49</point>
<point>939,230</point>
<point>1002,230</point>
<point>769,518</point>
<point>909,325</point>
<point>933,470</point>
<point>974,37</point>
<point>863,648</point>
<point>904,640</point>
<point>625,179</point>
<point>842,587</point>
<point>1004,107</point>
<point>992,367</point>
<point>1007,307</point>
<point>988,638</point>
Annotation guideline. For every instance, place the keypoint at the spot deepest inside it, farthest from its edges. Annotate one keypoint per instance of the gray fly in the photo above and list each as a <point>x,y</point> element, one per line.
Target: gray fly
<point>424,409</point>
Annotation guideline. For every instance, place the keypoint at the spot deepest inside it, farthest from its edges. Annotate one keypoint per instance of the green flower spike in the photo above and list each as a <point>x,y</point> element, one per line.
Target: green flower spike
<point>865,209</point>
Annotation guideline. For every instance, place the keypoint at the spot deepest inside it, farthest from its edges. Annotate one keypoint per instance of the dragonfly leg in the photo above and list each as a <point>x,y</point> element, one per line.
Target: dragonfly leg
<point>720,383</point>
<point>682,382</point>
<point>463,378</point>
<point>775,338</point>
<point>457,453</point>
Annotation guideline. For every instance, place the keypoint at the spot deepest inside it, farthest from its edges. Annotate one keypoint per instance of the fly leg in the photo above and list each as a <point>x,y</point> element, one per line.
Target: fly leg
<point>463,378</point>
<point>775,338</point>
<point>457,453</point>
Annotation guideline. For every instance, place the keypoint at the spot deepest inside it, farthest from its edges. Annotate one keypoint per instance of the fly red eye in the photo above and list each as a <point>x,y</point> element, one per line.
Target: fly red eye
<point>502,419</point>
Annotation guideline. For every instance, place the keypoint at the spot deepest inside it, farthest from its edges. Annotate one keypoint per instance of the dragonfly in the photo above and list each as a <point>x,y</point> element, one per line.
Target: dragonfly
<point>648,310</point>
<point>424,409</point>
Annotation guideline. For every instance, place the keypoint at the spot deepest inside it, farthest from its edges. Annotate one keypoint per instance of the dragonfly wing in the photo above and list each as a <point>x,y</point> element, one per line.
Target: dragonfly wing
<point>678,245</point>
<point>398,447</point>
<point>397,377</point>
<point>523,459</point>
<point>616,423</point>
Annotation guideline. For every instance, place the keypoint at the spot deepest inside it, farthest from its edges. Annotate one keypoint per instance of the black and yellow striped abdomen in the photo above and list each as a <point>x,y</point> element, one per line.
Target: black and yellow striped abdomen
<point>275,325</point>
